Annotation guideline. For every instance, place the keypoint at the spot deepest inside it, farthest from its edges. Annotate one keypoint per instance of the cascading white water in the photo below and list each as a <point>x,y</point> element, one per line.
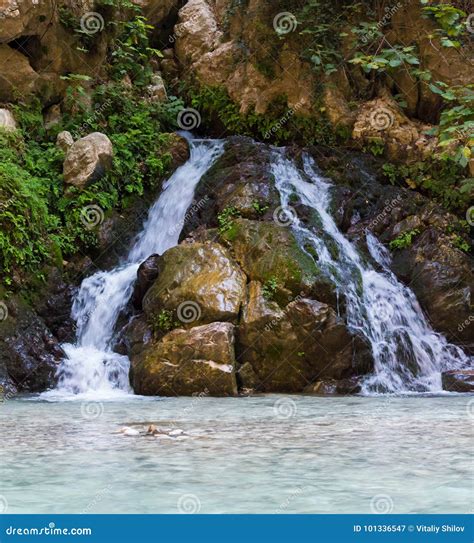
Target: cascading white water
<point>90,366</point>
<point>408,354</point>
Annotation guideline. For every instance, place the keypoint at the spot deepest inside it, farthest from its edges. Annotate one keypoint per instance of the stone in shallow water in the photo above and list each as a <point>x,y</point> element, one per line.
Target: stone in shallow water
<point>458,380</point>
<point>343,387</point>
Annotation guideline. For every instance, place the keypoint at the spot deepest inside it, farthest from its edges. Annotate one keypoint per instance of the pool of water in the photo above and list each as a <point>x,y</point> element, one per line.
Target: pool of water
<point>261,454</point>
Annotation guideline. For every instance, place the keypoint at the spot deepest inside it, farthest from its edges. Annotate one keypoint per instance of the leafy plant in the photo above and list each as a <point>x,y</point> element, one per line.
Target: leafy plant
<point>132,53</point>
<point>164,321</point>
<point>456,125</point>
<point>226,218</point>
<point>270,288</point>
<point>450,20</point>
<point>259,207</point>
<point>404,240</point>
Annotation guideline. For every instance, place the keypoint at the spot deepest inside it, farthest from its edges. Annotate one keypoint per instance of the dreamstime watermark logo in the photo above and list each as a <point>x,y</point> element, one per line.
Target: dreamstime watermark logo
<point>91,216</point>
<point>389,13</point>
<point>381,118</point>
<point>5,396</point>
<point>193,209</point>
<point>188,311</point>
<point>470,23</point>
<point>98,112</point>
<point>284,215</point>
<point>98,497</point>
<point>283,120</point>
<point>92,410</point>
<point>293,496</point>
<point>382,310</point>
<point>189,504</point>
<point>92,22</point>
<point>467,322</point>
<point>470,216</point>
<point>285,408</point>
<point>192,406</point>
<point>381,504</point>
<point>3,311</point>
<point>3,505</point>
<point>284,23</point>
<point>390,205</point>
<point>189,118</point>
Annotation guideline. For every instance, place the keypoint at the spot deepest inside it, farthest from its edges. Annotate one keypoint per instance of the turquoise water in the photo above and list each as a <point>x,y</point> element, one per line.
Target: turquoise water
<point>261,454</point>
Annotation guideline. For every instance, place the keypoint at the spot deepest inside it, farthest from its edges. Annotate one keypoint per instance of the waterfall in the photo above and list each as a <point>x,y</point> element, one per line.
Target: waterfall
<point>408,354</point>
<point>90,365</point>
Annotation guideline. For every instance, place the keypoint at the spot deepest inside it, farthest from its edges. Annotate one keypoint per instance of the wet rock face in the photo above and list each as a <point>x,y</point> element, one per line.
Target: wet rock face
<point>240,180</point>
<point>199,282</point>
<point>458,380</point>
<point>55,306</point>
<point>29,354</point>
<point>442,278</point>
<point>146,276</point>
<point>187,362</point>
<point>289,348</point>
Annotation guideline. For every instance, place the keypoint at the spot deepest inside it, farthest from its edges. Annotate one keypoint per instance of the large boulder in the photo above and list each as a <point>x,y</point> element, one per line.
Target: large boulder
<point>382,121</point>
<point>187,362</point>
<point>270,254</point>
<point>88,159</point>
<point>199,283</point>
<point>292,347</point>
<point>29,354</point>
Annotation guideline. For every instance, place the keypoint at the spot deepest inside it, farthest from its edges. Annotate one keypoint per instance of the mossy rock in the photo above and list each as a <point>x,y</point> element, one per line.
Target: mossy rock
<point>269,252</point>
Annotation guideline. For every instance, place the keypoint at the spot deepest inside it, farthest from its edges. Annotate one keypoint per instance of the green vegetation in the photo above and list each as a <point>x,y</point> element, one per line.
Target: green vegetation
<point>164,321</point>
<point>39,221</point>
<point>404,240</point>
<point>270,288</point>
<point>259,207</point>
<point>226,218</point>
<point>277,124</point>
<point>442,181</point>
<point>450,19</point>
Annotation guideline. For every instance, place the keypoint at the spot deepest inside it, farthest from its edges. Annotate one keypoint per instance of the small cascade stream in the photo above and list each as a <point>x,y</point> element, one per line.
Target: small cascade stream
<point>408,354</point>
<point>90,366</point>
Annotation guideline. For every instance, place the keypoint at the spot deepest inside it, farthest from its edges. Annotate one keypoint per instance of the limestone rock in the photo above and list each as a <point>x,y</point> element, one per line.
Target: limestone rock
<point>442,278</point>
<point>157,90</point>
<point>382,121</point>
<point>7,121</point>
<point>17,77</point>
<point>187,362</point>
<point>88,159</point>
<point>197,31</point>
<point>199,282</point>
<point>157,10</point>
<point>332,387</point>
<point>64,140</point>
